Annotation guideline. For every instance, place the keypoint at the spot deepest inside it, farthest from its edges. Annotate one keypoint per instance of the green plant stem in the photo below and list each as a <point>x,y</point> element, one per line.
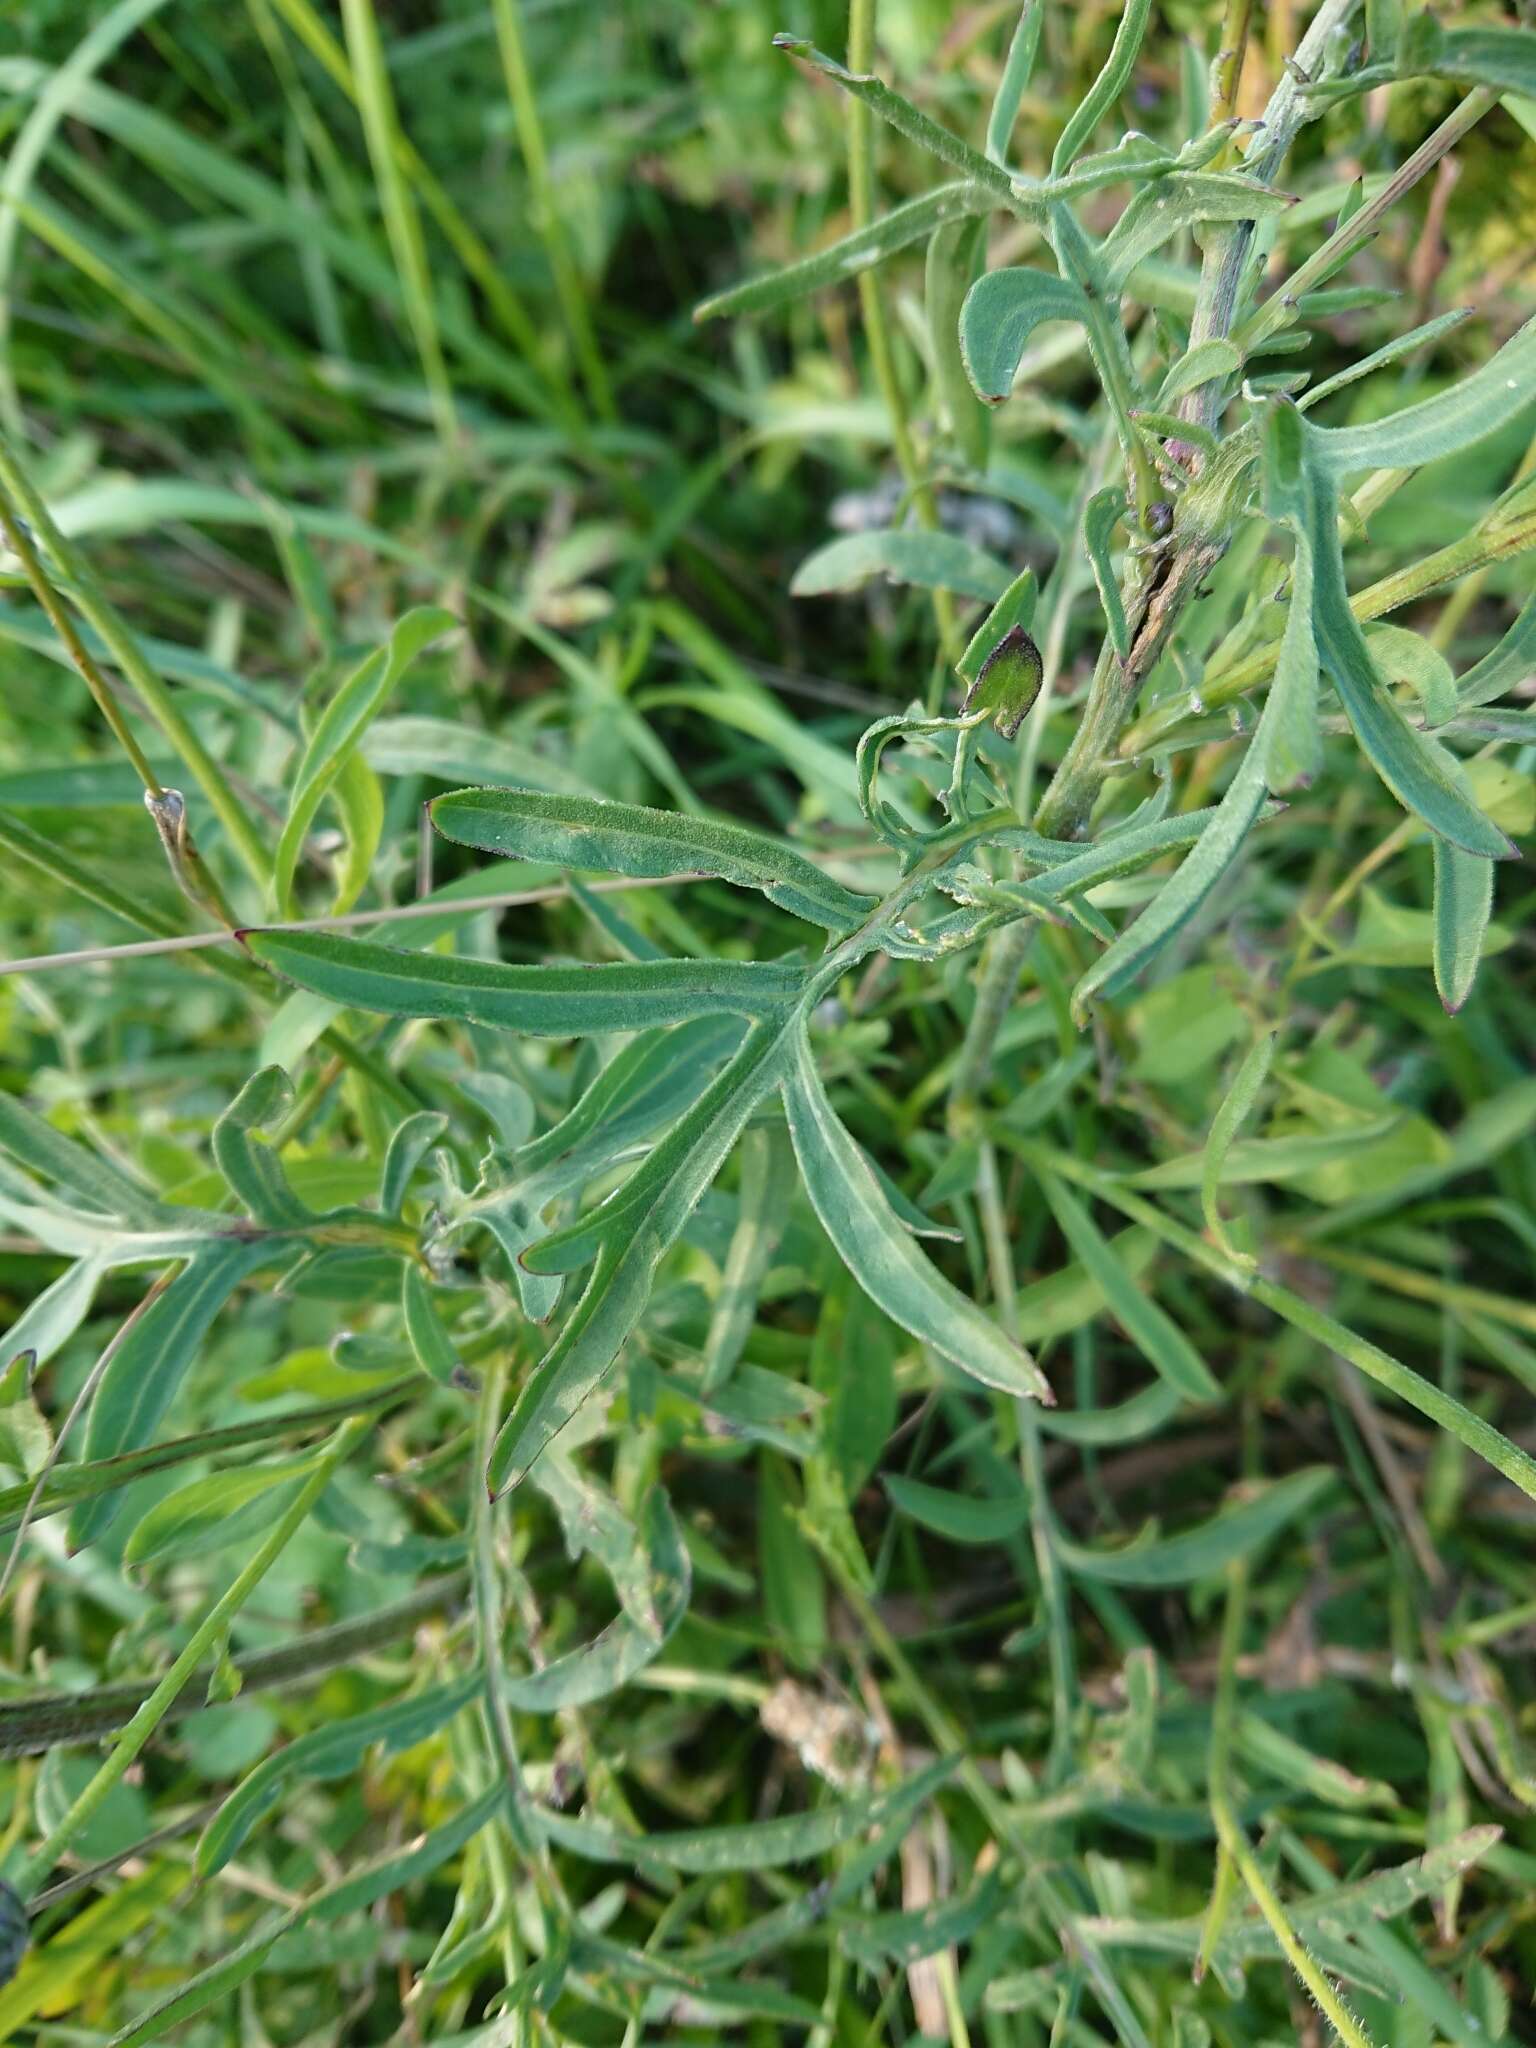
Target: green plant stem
<point>471,251</point>
<point>1227,72</point>
<point>1235,1843</point>
<point>546,216</point>
<point>381,127</point>
<point>28,1726</point>
<point>488,1608</point>
<point>1053,1587</point>
<point>1477,550</point>
<point>995,989</point>
<point>1225,262</point>
<point>1278,310</point>
<point>76,1482</point>
<point>125,652</point>
<point>861,208</point>
<point>20,546</point>
<point>202,1640</point>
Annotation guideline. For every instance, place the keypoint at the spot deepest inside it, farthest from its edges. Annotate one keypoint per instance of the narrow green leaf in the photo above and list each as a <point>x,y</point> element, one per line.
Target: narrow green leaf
<point>1463,906</point>
<point>906,1937</point>
<point>1107,87</point>
<point>935,561</point>
<point>431,1345</point>
<point>1125,1422</point>
<point>880,1254</point>
<point>958,1517</point>
<point>1178,900</point>
<point>1016,607</point>
<point>1423,776</point>
<point>41,1147</point>
<point>409,1144</point>
<point>342,725</point>
<point>1165,207</point>
<point>350,1894</point>
<point>1475,406</point>
<point>151,1361</point>
<point>448,752</point>
<point>754,1845</point>
<point>75,1482</point>
<point>1508,662</point>
<point>654,1079</point>
<point>626,839</point>
<point>1391,352</point>
<point>1503,59</point>
<point>630,1235</point>
<point>212,1513</point>
<point>1229,1119</point>
<point>794,1592</point>
<point>252,1168</point>
<point>359,799</point>
<point>1101,515</point>
<point>1011,87</point>
<point>1203,364</point>
<point>767,1183</point>
<point>52,1317</point>
<point>1295,751</point>
<point>1276,1160</point>
<point>1001,311</point>
<point>906,119</point>
<point>330,1751</point>
<point>894,231</point>
<point>1154,1333</point>
<point>1279,1754</point>
<point>1404,657</point>
<point>1206,1549</point>
<point>956,255</point>
<point>551,1002</point>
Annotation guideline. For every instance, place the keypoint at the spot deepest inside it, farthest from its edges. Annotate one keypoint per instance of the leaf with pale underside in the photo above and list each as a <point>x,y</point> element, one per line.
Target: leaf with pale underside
<point>627,839</point>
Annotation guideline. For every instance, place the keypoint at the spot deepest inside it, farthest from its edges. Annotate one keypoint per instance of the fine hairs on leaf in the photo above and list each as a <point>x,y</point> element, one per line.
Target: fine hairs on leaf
<point>767,1146</point>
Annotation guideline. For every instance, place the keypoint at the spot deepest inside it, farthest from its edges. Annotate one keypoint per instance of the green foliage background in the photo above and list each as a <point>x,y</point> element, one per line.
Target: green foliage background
<point>853,1701</point>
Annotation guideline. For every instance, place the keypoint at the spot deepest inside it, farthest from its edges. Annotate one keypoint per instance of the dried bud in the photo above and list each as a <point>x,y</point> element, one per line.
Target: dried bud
<point>1007,682</point>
